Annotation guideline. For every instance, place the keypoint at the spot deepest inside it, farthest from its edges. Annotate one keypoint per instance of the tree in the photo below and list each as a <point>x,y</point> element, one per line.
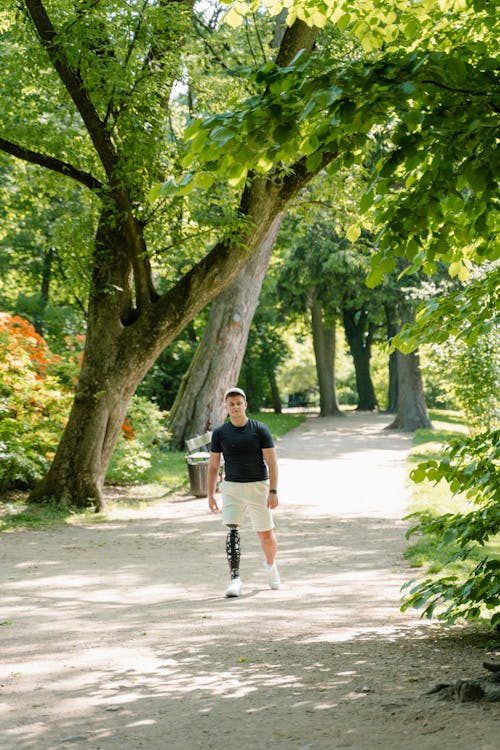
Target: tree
<point>43,230</point>
<point>265,352</point>
<point>304,290</point>
<point>112,66</point>
<point>199,404</point>
<point>324,353</point>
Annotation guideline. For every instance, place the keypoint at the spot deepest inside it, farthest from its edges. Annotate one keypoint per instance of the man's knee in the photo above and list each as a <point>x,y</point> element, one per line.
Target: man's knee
<point>266,534</point>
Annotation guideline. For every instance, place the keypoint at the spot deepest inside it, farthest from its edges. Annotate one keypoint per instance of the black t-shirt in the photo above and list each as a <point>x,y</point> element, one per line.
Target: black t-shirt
<point>242,450</point>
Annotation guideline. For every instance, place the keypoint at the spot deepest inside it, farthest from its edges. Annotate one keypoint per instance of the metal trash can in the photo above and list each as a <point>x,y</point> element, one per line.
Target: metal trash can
<point>197,464</point>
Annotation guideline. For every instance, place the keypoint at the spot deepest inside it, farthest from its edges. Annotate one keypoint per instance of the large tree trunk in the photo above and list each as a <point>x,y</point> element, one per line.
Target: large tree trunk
<point>412,410</point>
<point>199,404</point>
<point>359,340</point>
<point>324,352</point>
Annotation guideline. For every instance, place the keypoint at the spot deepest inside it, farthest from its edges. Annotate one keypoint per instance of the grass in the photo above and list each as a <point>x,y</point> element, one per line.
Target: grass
<point>166,475</point>
<point>18,514</point>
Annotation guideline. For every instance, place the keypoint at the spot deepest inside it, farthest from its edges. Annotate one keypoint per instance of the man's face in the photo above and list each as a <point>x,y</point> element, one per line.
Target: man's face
<point>235,405</point>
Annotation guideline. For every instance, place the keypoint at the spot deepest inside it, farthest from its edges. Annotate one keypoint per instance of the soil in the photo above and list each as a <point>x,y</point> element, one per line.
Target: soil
<point>117,634</point>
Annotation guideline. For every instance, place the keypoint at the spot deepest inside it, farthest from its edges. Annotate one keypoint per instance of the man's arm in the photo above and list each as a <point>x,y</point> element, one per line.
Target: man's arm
<point>213,472</point>
<point>269,455</point>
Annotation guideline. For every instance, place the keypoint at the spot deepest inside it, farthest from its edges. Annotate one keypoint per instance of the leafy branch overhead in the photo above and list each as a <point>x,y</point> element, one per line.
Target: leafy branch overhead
<point>434,193</point>
<point>468,313</point>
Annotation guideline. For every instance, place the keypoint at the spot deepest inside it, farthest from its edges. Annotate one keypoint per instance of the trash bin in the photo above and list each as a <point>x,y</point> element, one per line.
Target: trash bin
<point>197,464</point>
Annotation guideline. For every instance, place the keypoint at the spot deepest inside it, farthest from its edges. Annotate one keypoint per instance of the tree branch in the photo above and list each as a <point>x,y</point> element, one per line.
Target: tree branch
<point>454,90</point>
<point>50,162</point>
<point>74,86</point>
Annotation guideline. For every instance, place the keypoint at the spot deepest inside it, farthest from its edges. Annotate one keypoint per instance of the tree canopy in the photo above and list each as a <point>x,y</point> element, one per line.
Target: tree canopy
<point>97,102</point>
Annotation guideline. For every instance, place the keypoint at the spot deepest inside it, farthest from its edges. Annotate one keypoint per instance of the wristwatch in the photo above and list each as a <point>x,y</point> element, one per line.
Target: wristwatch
<point>273,492</point>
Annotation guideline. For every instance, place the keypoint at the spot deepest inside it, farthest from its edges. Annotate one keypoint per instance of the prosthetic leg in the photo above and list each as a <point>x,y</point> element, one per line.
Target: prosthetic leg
<point>233,551</point>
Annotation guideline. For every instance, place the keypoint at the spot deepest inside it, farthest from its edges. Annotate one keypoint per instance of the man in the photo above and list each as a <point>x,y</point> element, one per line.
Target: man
<point>250,483</point>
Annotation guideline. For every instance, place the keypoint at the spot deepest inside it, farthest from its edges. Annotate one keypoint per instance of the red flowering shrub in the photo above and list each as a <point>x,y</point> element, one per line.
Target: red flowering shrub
<point>33,406</point>
<point>36,388</point>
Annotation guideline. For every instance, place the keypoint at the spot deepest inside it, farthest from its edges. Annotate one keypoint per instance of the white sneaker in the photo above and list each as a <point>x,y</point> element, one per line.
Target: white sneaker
<point>273,577</point>
<point>234,588</point>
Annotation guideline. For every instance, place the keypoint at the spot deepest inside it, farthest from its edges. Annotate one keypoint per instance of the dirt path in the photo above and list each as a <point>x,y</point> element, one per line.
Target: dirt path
<point>117,635</point>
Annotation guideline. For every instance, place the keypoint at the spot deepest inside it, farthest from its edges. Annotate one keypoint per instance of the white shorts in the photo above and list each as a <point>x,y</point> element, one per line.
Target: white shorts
<point>240,496</point>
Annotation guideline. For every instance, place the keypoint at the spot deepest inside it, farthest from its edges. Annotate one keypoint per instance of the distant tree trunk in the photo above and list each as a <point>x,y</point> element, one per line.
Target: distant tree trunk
<point>275,394</point>
<point>359,337</point>
<point>324,352</point>
<point>39,321</point>
<point>392,390</point>
<point>412,410</point>
<point>199,404</point>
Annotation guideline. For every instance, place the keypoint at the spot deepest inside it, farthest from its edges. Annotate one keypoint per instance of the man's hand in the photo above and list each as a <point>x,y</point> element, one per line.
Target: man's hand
<point>212,504</point>
<point>272,500</point>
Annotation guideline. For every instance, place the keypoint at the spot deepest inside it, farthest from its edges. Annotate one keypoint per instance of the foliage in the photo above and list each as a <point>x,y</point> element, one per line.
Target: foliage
<point>129,462</point>
<point>465,377</point>
<point>470,467</point>
<point>433,194</point>
<point>298,372</point>
<point>144,433</point>
<point>45,232</point>
<point>475,381</point>
<point>35,392</point>
<point>163,379</point>
<point>466,313</point>
<point>266,348</point>
<point>33,405</point>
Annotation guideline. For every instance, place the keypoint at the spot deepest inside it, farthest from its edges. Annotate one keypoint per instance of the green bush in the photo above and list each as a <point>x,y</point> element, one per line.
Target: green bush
<point>470,467</point>
<point>144,434</point>
<point>466,376</point>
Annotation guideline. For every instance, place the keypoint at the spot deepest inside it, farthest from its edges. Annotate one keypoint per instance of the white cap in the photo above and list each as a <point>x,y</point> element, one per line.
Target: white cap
<point>235,391</point>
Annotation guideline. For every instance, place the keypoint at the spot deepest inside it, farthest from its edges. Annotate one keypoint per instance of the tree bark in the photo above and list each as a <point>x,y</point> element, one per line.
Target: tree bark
<point>359,336</point>
<point>39,322</point>
<point>412,410</point>
<point>392,388</point>
<point>275,394</point>
<point>199,404</point>
<point>324,352</point>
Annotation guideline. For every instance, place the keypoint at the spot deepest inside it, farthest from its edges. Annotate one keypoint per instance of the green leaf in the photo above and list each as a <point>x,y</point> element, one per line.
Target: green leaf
<point>366,201</point>
<point>353,233</point>
<point>313,161</point>
<point>204,180</point>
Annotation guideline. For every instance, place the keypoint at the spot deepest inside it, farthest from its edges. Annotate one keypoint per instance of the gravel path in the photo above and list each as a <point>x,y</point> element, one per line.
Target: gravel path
<point>116,635</point>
